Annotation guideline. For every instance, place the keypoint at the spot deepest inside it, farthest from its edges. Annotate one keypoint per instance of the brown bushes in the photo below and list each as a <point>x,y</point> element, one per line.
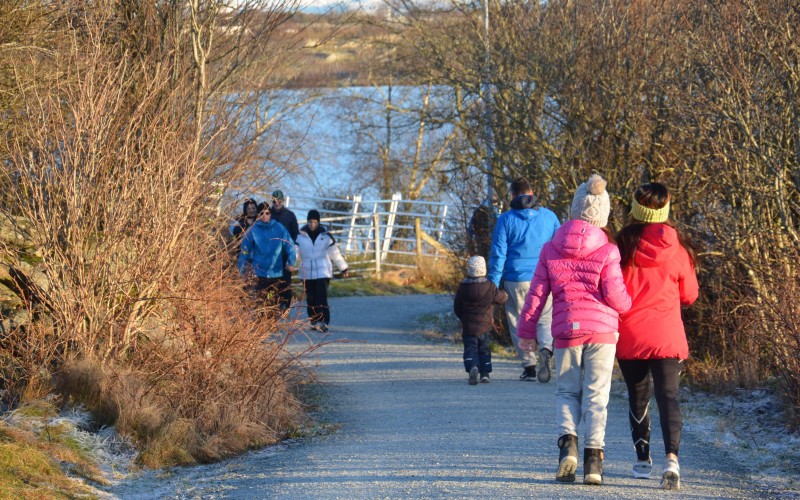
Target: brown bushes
<point>215,381</point>
<point>119,140</point>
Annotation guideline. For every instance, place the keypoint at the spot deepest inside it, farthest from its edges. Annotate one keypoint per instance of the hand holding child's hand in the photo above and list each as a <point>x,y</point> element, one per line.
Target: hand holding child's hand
<point>527,345</point>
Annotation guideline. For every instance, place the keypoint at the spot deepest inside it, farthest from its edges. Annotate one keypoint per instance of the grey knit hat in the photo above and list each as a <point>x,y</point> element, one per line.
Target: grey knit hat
<point>591,202</point>
<point>476,267</point>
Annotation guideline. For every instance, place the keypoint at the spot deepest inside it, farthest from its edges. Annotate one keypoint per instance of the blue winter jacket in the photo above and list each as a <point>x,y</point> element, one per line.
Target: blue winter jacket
<point>263,247</point>
<point>518,237</point>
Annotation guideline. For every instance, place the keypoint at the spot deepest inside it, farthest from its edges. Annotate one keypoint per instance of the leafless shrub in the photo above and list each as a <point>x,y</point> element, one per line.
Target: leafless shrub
<point>116,162</point>
<point>700,95</point>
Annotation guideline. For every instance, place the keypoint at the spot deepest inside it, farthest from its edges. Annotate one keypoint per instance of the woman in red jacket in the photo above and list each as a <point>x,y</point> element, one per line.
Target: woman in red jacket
<point>658,266</point>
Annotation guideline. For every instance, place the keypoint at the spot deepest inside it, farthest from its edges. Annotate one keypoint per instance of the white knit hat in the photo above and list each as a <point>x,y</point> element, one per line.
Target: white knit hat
<point>591,202</point>
<point>476,267</point>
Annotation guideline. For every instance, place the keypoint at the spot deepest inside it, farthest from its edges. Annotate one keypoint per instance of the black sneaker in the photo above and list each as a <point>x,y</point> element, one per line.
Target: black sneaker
<point>485,378</point>
<point>528,374</point>
<point>473,375</point>
<point>544,365</point>
<point>323,328</point>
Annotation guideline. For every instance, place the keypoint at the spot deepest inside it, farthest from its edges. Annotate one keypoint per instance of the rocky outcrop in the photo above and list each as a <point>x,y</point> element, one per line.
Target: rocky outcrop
<point>19,276</point>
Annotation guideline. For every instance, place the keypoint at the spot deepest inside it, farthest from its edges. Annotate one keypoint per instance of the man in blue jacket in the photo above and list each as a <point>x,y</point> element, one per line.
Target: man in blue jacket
<point>265,248</point>
<point>518,237</point>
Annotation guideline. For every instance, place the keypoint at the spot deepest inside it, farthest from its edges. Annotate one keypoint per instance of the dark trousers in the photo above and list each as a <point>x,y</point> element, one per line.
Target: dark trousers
<point>286,289</point>
<point>666,376</point>
<point>267,290</point>
<point>317,300</point>
<point>477,353</point>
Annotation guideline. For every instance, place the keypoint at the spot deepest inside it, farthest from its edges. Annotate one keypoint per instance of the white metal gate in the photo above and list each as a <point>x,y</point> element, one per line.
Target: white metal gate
<point>376,234</point>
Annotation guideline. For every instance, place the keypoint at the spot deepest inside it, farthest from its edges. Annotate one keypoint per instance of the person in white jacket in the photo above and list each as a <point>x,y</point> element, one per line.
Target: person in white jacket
<point>318,253</point>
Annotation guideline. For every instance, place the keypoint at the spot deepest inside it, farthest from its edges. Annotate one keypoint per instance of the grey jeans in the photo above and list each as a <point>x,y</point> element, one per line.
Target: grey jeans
<point>517,290</point>
<point>583,383</point>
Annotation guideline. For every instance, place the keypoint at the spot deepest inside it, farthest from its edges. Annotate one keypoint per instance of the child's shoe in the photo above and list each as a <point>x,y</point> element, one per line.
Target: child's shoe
<point>473,375</point>
<point>567,458</point>
<point>592,466</point>
<point>671,477</point>
<point>485,378</point>
<point>642,469</point>
<point>544,365</point>
<point>528,374</point>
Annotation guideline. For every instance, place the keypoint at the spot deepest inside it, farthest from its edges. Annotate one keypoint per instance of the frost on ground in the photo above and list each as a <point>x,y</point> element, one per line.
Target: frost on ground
<point>113,455</point>
<point>751,423</point>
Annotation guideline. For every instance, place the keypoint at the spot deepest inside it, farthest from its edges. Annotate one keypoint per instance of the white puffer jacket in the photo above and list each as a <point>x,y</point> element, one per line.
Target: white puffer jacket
<point>317,257</point>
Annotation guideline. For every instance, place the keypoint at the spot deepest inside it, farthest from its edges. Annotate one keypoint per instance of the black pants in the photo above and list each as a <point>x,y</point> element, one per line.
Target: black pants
<point>267,290</point>
<point>477,353</point>
<point>286,290</point>
<point>317,300</point>
<point>666,375</point>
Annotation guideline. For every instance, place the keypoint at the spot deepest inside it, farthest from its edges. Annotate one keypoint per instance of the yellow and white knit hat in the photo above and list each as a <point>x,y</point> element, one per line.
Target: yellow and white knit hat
<point>645,214</point>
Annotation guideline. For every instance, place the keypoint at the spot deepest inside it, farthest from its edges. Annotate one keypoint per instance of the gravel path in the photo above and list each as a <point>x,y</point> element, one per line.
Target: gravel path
<point>411,427</point>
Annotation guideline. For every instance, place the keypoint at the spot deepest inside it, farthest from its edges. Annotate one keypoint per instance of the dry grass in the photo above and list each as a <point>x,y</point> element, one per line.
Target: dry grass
<point>217,380</point>
<point>33,461</point>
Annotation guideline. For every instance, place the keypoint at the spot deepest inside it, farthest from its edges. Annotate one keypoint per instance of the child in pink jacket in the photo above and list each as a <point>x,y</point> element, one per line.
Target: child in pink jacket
<point>581,267</point>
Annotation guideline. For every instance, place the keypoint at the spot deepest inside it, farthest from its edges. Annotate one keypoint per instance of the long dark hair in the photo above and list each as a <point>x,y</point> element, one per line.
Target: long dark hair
<point>651,195</point>
<point>247,203</point>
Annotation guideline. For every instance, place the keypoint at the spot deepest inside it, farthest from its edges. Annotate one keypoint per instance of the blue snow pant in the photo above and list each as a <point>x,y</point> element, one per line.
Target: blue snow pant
<point>477,353</point>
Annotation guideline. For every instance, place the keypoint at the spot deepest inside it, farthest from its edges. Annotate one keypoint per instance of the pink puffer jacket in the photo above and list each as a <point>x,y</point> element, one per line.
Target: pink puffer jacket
<point>582,270</point>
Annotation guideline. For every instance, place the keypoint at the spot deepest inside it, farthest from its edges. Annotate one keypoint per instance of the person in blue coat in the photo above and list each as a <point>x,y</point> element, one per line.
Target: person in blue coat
<point>267,251</point>
<point>518,237</point>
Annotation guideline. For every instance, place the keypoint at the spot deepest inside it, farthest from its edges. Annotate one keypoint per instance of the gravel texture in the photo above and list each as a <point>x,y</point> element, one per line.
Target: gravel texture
<point>409,426</point>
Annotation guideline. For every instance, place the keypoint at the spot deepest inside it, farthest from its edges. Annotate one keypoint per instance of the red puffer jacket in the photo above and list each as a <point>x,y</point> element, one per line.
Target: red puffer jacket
<point>582,270</point>
<point>660,281</point>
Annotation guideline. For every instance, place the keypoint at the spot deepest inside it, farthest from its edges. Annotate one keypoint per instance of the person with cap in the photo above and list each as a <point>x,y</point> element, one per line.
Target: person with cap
<point>518,237</point>
<point>318,254</point>
<point>581,268</point>
<point>286,217</point>
<point>473,304</point>
<point>267,252</point>
<point>659,266</point>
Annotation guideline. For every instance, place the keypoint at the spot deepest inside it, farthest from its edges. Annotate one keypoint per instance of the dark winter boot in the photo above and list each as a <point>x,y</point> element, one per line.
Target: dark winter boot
<point>567,458</point>
<point>592,466</point>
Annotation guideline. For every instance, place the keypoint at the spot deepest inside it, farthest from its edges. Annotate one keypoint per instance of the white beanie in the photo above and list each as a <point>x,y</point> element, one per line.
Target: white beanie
<point>591,202</point>
<point>476,267</point>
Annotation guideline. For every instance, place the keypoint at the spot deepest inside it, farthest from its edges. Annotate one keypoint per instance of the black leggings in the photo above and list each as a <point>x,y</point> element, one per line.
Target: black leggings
<point>317,300</point>
<point>666,375</point>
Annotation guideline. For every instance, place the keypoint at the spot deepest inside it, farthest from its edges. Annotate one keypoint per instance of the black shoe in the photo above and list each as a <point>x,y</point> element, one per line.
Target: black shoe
<point>323,328</point>
<point>473,375</point>
<point>544,365</point>
<point>529,374</point>
<point>567,458</point>
<point>592,466</point>
<point>485,378</point>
